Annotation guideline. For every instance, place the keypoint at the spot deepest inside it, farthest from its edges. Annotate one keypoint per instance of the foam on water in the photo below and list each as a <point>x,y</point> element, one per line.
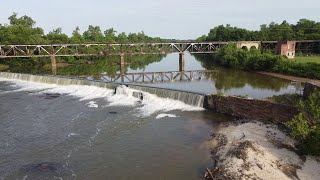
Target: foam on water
<point>92,104</point>
<point>124,96</point>
<point>165,115</point>
<point>73,134</point>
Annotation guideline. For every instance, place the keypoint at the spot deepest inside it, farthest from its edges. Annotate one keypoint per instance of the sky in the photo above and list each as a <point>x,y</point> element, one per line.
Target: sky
<point>172,19</point>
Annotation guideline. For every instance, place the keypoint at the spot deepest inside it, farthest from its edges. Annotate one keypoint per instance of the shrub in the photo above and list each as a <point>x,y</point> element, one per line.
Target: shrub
<point>305,127</point>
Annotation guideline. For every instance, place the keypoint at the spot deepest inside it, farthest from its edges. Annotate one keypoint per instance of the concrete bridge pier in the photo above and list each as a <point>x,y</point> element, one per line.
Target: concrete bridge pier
<point>122,59</point>
<point>122,68</point>
<point>181,61</point>
<point>53,65</point>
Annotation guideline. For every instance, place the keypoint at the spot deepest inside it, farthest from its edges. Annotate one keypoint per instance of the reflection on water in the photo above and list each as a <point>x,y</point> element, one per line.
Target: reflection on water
<point>226,81</point>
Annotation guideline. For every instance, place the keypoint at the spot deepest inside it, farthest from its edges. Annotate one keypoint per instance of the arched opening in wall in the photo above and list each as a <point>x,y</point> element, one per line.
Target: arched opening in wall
<point>245,48</point>
<point>252,48</point>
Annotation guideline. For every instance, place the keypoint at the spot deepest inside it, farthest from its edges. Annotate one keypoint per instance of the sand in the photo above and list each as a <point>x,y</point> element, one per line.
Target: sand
<point>258,151</point>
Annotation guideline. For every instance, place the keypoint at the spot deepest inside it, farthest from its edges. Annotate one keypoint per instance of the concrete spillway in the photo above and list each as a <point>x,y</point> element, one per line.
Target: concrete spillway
<point>189,98</point>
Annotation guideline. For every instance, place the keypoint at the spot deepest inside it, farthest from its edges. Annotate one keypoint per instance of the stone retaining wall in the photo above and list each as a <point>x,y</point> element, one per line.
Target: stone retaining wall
<point>250,109</point>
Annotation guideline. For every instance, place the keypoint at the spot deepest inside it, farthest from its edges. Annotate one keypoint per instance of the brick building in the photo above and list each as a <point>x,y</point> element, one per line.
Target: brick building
<point>286,48</point>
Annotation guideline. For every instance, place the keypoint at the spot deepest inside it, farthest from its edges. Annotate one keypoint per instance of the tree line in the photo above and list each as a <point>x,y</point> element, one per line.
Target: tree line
<point>304,29</point>
<point>232,57</point>
<point>23,30</point>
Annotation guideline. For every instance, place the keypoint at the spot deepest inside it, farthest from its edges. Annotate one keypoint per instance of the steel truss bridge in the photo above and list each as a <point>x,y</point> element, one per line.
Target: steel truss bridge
<point>108,49</point>
<point>154,77</point>
<point>121,49</point>
<point>78,50</point>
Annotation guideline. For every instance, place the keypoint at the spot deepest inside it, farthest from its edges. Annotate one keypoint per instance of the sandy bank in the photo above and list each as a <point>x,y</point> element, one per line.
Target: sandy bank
<point>259,151</point>
<point>291,78</point>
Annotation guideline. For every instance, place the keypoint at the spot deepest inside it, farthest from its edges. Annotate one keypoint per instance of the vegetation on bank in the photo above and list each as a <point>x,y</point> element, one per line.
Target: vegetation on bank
<point>255,60</point>
<point>3,67</point>
<point>306,126</point>
<point>23,30</point>
<point>307,59</point>
<point>304,29</point>
<point>287,99</point>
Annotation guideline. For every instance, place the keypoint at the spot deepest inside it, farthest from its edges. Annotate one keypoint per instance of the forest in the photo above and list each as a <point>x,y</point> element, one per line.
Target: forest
<point>23,30</point>
<point>304,29</point>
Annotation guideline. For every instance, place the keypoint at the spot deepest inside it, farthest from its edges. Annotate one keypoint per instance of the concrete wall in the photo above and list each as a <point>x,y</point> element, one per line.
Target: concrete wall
<point>250,109</point>
<point>249,44</point>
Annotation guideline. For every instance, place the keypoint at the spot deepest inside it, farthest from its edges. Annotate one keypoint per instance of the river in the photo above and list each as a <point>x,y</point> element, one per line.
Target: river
<point>81,132</point>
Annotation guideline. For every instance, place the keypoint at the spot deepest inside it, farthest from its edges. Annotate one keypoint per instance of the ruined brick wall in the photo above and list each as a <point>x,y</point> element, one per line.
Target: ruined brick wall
<point>250,109</point>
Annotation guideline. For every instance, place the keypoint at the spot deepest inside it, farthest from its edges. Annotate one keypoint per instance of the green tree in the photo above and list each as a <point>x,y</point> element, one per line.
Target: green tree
<point>21,31</point>
<point>76,36</point>
<point>56,36</point>
<point>23,21</point>
<point>110,35</point>
<point>93,34</point>
<point>122,38</point>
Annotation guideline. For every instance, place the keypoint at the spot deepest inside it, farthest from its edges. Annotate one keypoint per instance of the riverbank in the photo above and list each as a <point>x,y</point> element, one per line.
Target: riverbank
<point>232,57</point>
<point>254,150</point>
<point>291,78</point>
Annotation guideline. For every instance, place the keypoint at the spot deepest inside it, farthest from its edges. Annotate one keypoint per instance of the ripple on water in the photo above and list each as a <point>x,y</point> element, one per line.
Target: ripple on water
<point>46,170</point>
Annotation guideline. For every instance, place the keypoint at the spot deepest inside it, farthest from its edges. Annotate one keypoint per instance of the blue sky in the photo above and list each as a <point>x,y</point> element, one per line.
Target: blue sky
<point>180,19</point>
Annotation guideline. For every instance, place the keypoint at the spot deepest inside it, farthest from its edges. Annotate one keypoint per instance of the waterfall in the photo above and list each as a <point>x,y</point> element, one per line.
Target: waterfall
<point>55,80</point>
<point>189,98</point>
<point>137,91</point>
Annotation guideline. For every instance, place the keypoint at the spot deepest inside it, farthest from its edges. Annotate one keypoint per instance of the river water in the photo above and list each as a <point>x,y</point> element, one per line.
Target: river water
<point>87,133</point>
<point>82,132</point>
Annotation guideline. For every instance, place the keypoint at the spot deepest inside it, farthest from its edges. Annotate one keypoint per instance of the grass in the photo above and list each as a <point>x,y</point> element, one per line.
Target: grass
<point>287,99</point>
<point>307,59</point>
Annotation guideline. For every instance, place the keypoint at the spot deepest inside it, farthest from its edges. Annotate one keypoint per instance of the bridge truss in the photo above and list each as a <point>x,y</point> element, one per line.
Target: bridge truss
<point>78,50</point>
<point>154,77</point>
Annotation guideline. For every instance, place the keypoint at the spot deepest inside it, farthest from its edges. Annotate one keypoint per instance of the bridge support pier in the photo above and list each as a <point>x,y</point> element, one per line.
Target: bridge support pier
<point>181,61</point>
<point>122,59</point>
<point>53,65</point>
<point>122,68</point>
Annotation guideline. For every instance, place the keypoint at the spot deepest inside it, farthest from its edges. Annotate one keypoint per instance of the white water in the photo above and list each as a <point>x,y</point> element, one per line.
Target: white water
<point>123,97</point>
<point>150,103</point>
<point>73,134</point>
<point>165,115</point>
<point>92,104</point>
